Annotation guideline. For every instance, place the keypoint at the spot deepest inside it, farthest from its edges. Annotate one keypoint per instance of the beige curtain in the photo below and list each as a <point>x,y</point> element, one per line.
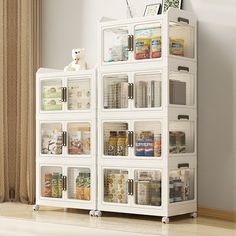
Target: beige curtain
<point>20,58</point>
<point>4,187</point>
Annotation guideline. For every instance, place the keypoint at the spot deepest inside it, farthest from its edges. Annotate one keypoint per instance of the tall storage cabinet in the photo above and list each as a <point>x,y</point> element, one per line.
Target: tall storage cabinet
<point>66,139</point>
<point>147,115</point>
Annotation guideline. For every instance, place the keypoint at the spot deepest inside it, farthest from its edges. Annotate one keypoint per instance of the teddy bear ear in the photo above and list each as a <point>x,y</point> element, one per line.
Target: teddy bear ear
<point>82,49</point>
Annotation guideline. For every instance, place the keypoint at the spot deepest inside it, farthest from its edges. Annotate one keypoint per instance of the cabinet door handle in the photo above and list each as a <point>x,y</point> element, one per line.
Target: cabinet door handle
<point>130,90</point>
<point>184,20</point>
<point>132,43</point>
<point>63,94</point>
<point>183,117</point>
<point>64,183</point>
<point>64,138</point>
<point>129,43</point>
<point>130,138</point>
<point>131,187</point>
<point>184,68</point>
<point>183,165</point>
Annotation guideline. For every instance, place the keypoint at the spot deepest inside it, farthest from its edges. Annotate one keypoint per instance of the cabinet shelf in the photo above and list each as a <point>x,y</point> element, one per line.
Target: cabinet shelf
<point>148,39</point>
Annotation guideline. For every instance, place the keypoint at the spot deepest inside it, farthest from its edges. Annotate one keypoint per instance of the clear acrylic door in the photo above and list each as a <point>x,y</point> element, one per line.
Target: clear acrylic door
<point>51,95</point>
<point>181,137</point>
<point>147,139</point>
<point>147,187</point>
<point>115,91</point>
<point>51,182</point>
<point>181,40</point>
<point>115,186</point>
<point>147,41</point>
<point>181,185</point>
<point>79,138</point>
<point>115,44</point>
<point>51,138</point>
<point>181,89</point>
<point>115,138</point>
<point>147,90</point>
<point>79,183</point>
<point>79,94</point>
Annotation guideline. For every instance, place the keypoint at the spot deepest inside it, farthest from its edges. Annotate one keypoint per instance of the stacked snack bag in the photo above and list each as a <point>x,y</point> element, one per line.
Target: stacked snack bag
<point>52,185</point>
<point>147,44</point>
<point>79,141</point>
<point>116,186</point>
<point>83,184</point>
<point>51,97</point>
<point>148,189</point>
<point>177,47</point>
<point>148,144</point>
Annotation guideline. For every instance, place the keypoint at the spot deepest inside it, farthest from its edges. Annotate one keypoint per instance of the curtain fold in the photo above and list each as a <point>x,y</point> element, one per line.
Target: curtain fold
<point>22,57</point>
<point>4,187</point>
<point>28,62</point>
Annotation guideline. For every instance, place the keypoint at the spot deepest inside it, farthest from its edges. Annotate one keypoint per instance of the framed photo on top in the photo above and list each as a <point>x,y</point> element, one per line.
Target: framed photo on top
<point>152,9</point>
<point>171,3</point>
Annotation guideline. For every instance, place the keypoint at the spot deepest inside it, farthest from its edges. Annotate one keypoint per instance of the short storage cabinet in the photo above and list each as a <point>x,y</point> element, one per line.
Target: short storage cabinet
<point>66,139</point>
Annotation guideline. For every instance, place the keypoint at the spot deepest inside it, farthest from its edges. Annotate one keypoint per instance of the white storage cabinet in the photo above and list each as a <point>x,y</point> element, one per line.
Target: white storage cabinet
<point>147,115</point>
<point>66,139</point>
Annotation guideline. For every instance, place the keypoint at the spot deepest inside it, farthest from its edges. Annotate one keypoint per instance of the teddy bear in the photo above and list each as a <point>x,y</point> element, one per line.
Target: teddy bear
<point>78,62</point>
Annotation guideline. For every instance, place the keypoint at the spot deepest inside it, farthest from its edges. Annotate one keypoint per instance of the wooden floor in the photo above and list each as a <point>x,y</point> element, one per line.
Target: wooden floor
<point>19,219</point>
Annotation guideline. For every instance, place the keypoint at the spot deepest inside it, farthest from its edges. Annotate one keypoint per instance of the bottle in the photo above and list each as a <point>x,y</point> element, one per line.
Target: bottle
<point>112,144</point>
<point>121,144</point>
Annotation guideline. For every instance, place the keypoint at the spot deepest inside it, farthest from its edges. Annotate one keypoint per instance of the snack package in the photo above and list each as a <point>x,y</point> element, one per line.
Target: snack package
<point>56,185</point>
<point>177,47</point>
<point>142,48</point>
<point>156,47</point>
<point>47,191</point>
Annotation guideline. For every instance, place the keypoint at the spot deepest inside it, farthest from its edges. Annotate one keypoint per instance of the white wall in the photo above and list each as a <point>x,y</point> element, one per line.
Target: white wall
<point>60,31</point>
<point>73,23</point>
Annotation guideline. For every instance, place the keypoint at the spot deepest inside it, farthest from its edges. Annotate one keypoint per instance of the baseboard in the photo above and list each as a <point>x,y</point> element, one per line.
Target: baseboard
<point>217,213</point>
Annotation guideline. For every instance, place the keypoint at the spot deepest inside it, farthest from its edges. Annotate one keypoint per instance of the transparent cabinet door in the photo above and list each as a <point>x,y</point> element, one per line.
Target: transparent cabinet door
<point>147,90</point>
<point>79,94</point>
<point>115,44</point>
<point>181,89</point>
<point>181,137</point>
<point>51,182</point>
<point>147,41</point>
<point>115,138</point>
<point>79,183</point>
<point>181,40</point>
<point>147,187</point>
<point>51,138</point>
<point>147,139</point>
<point>51,95</point>
<point>79,141</point>
<point>115,186</point>
<point>181,185</point>
<point>115,91</point>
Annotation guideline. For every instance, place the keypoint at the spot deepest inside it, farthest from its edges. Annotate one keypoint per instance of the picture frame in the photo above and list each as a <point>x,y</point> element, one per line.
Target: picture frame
<point>152,9</point>
<point>171,3</point>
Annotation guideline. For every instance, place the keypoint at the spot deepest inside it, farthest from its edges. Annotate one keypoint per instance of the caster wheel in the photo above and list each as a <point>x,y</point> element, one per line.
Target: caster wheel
<point>36,207</point>
<point>193,215</point>
<point>92,213</point>
<point>98,213</point>
<point>165,220</point>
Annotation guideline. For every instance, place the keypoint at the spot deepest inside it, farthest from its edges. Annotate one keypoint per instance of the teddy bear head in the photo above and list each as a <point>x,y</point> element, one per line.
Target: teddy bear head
<point>78,53</point>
